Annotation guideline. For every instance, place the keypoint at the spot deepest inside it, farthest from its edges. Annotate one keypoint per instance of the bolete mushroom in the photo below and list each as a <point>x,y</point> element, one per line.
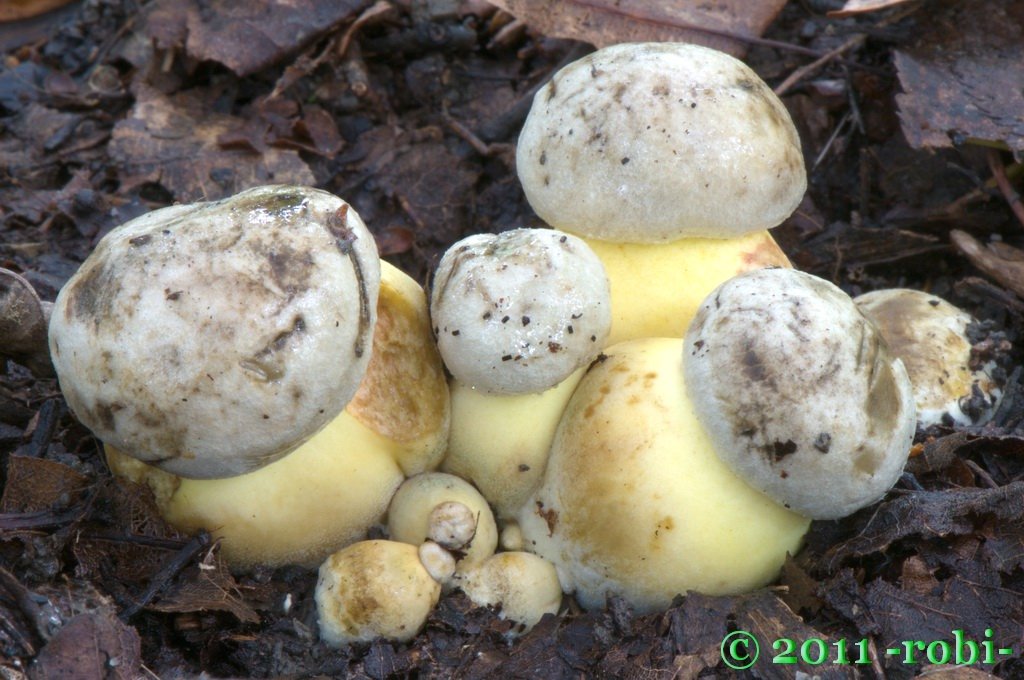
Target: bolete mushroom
<point>799,392</point>
<point>374,589</point>
<point>671,160</point>
<point>930,336</point>
<point>211,339</point>
<point>328,492</point>
<point>522,585</point>
<point>671,470</point>
<point>447,511</point>
<point>517,315</point>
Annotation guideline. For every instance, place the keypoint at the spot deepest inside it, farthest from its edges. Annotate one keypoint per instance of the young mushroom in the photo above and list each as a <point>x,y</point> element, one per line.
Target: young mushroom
<point>697,464</point>
<point>517,315</point>
<point>671,160</point>
<point>374,589</point>
<point>524,586</point>
<point>211,339</point>
<point>930,336</point>
<point>447,511</point>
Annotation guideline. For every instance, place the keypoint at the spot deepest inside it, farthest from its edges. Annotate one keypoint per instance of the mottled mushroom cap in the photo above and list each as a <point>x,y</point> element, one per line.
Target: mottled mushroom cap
<point>211,339</point>
<point>518,312</point>
<point>929,335</point>
<point>799,392</point>
<point>652,142</point>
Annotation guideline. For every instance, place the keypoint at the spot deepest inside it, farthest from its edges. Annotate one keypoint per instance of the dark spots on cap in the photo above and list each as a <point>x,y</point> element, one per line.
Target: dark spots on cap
<point>456,333</point>
<point>506,357</point>
<point>291,270</point>
<point>569,329</point>
<point>92,295</point>
<point>823,442</point>
<point>780,450</point>
<point>563,239</point>
<point>693,105</point>
<point>526,320</point>
<point>625,160</point>
<point>172,295</point>
<point>698,346</point>
<point>140,241</point>
<point>753,367</point>
<point>505,319</point>
<point>554,347</point>
<point>543,157</point>
<point>933,303</point>
<point>547,180</point>
<point>486,317</point>
<point>552,89</point>
<point>523,467</point>
<point>104,414</point>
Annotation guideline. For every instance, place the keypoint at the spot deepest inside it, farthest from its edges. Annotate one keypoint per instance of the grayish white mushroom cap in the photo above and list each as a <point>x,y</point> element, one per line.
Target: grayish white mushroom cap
<point>652,142</point>
<point>211,339</point>
<point>929,335</point>
<point>798,392</point>
<point>518,312</point>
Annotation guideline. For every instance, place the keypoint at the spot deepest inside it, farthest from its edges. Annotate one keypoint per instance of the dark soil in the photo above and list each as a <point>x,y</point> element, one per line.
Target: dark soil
<point>106,113</point>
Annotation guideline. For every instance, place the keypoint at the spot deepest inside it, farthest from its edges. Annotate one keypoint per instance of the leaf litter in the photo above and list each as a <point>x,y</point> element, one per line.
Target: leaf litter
<point>409,110</point>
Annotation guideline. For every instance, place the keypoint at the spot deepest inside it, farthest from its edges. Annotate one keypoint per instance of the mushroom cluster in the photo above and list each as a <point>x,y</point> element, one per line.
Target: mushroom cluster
<point>642,400</point>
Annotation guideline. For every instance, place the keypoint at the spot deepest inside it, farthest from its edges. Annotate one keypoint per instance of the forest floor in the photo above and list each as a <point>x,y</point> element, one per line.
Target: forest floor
<point>410,111</point>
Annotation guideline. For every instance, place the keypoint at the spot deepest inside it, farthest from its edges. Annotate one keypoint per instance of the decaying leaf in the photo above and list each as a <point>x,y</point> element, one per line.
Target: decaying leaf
<point>245,36</point>
<point>930,514</point>
<point>962,80</point>
<point>91,645</point>
<point>606,22</point>
<point>173,141</point>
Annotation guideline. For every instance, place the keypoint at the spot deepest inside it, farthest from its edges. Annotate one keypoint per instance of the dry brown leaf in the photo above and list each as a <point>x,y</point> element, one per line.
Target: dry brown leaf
<point>245,36</point>
<point>173,141</point>
<point>962,81</point>
<point>864,6</point>
<point>16,10</point>
<point>606,22</point>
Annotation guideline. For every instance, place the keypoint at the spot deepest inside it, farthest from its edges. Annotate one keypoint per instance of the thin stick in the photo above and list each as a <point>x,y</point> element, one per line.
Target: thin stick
<point>1003,182</point>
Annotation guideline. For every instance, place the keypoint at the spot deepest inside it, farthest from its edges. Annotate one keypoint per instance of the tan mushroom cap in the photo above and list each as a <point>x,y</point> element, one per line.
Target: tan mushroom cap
<point>652,142</point>
<point>799,392</point>
<point>211,339</point>
<point>523,585</point>
<point>374,589</point>
<point>929,335</point>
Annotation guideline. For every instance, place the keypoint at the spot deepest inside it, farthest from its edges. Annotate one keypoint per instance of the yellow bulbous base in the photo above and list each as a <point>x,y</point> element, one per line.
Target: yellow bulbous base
<point>635,502</point>
<point>657,288</point>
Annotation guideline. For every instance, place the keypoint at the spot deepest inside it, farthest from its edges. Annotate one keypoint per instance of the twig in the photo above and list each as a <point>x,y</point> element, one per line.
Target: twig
<point>806,70</point>
<point>176,563</point>
<point>985,477</point>
<point>1003,182</point>
<point>1005,266</point>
